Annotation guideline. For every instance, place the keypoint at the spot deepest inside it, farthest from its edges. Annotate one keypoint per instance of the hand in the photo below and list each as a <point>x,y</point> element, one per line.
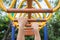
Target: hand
<point>35,26</point>
<point>22,22</point>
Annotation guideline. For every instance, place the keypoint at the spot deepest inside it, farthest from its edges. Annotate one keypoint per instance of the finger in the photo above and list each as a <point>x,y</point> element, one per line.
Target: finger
<point>35,25</point>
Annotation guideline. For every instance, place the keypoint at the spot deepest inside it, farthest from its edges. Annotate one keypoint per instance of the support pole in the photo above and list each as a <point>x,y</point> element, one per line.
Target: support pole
<point>13,33</point>
<point>45,33</point>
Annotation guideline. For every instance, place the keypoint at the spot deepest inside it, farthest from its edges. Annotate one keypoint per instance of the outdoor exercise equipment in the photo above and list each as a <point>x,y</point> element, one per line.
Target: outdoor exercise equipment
<point>30,12</point>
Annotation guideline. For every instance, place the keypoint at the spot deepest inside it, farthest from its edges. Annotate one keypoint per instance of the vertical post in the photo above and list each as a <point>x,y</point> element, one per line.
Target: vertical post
<point>29,5</point>
<point>13,33</point>
<point>45,33</point>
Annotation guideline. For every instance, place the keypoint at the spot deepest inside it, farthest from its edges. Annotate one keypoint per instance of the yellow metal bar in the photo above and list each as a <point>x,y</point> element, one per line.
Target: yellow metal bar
<point>2,6</point>
<point>39,7</point>
<point>20,5</point>
<point>37,3</point>
<point>43,23</point>
<point>9,15</point>
<point>12,3</point>
<point>15,15</point>
<point>57,7</point>
<point>47,3</point>
<point>11,6</point>
<point>49,6</point>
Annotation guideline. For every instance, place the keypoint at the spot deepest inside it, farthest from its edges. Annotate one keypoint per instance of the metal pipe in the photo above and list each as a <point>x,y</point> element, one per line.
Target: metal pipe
<point>29,25</point>
<point>45,33</point>
<point>13,33</point>
<point>32,20</point>
<point>30,10</point>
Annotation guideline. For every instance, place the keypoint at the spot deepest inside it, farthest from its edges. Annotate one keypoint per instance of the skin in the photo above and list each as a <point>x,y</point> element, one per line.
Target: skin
<point>22,22</point>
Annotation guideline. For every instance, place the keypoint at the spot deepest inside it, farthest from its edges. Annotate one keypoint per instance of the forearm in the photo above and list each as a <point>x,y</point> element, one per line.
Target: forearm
<point>21,21</point>
<point>37,35</point>
<point>20,35</point>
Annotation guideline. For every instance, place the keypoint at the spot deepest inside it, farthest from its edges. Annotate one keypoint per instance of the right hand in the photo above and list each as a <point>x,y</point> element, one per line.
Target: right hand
<point>35,26</point>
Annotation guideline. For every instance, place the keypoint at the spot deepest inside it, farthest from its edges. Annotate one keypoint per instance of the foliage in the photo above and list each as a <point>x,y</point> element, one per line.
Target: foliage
<point>54,27</point>
<point>4,21</point>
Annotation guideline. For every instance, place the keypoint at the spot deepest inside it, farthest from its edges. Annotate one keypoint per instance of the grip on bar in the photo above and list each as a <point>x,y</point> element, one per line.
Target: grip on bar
<point>29,25</point>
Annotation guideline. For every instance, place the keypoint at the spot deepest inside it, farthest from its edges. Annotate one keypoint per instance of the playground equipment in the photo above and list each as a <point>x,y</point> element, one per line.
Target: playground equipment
<point>28,11</point>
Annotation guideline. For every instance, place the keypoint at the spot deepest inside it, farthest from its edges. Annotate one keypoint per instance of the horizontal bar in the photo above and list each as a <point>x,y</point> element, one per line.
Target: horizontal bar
<point>29,31</point>
<point>28,28</point>
<point>29,25</point>
<point>32,20</point>
<point>30,10</point>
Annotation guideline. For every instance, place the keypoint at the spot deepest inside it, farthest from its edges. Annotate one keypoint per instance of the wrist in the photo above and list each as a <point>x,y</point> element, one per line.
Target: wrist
<point>36,31</point>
